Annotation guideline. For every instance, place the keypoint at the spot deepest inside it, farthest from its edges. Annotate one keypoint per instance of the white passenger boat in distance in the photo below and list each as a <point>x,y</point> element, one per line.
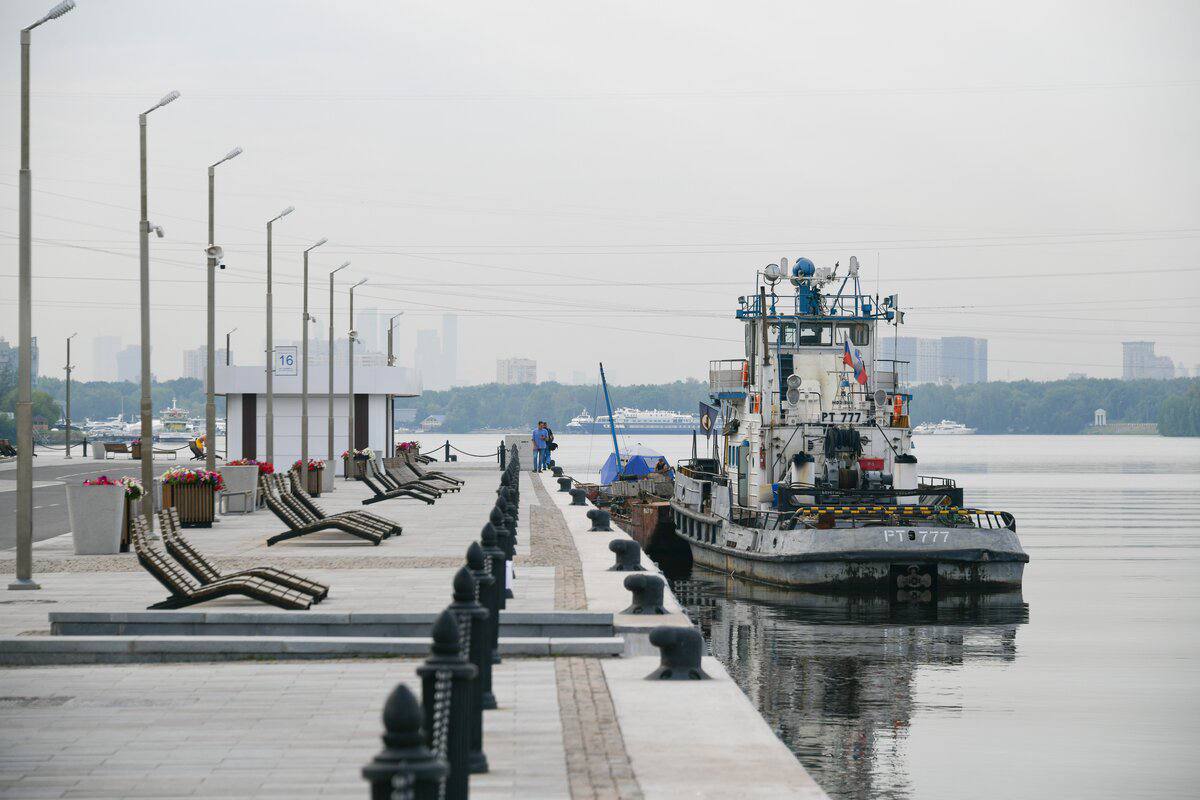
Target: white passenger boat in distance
<point>814,483</point>
<point>946,427</point>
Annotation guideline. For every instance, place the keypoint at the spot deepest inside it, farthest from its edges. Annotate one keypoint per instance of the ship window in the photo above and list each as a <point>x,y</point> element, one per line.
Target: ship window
<point>814,334</point>
<point>859,334</point>
<point>787,334</point>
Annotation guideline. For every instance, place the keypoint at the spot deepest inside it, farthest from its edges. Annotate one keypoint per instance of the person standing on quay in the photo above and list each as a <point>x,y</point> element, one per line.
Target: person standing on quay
<point>541,447</point>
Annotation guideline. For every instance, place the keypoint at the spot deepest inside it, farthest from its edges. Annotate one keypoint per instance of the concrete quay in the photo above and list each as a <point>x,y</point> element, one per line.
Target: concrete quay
<point>235,699</point>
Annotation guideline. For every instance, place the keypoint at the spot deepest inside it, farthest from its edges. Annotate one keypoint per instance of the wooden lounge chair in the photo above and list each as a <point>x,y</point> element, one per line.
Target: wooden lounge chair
<point>6,449</point>
<point>186,592</point>
<point>293,487</point>
<point>277,486</point>
<point>390,494</point>
<point>402,469</point>
<point>202,569</point>
<point>392,480</point>
<point>297,526</point>
<point>431,474</point>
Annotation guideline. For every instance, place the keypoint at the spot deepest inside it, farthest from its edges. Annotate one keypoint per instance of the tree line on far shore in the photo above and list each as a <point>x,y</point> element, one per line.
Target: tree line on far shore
<point>1016,407</point>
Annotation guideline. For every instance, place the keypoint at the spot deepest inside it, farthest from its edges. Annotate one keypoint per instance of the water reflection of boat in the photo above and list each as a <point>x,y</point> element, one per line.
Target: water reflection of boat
<point>836,676</point>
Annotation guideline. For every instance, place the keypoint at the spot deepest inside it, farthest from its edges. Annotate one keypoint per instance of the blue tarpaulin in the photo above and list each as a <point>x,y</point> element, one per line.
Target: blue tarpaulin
<point>637,461</point>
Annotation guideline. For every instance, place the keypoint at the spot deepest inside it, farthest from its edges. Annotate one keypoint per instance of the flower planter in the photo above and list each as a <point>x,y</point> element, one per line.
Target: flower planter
<point>315,481</point>
<point>194,501</point>
<point>132,509</point>
<point>136,450</point>
<point>97,515</point>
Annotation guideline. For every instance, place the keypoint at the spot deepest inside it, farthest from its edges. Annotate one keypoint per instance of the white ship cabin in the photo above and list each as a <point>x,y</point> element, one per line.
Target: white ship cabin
<point>814,417</point>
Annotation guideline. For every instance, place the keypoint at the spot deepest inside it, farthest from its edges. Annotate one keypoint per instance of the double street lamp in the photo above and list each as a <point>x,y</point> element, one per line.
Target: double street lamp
<point>329,444</point>
<point>353,334</point>
<point>270,432</point>
<point>24,409</point>
<point>304,369</point>
<point>144,228</point>
<point>214,255</point>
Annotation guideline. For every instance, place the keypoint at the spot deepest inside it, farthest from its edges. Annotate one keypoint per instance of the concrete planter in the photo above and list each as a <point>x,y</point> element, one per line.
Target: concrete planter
<point>194,501</point>
<point>327,477</point>
<point>97,515</point>
<point>241,481</point>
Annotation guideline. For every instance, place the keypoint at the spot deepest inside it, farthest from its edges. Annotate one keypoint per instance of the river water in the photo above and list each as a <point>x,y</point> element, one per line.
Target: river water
<point>1086,684</point>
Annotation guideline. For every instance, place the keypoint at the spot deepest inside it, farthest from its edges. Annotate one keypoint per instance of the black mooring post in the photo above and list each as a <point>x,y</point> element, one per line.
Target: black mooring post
<point>472,621</point>
<point>405,759</point>
<point>446,679</point>
<point>495,562</point>
<point>446,458</point>
<point>680,651</point>
<point>485,593</point>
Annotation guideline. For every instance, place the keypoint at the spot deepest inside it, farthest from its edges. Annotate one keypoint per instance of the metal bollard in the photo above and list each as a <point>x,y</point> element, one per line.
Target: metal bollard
<point>556,472</point>
<point>680,652</point>
<point>446,679</point>
<point>485,593</point>
<point>564,484</point>
<point>507,543</point>
<point>600,519</point>
<point>495,563</point>
<point>647,594</point>
<point>512,510</point>
<point>404,758</point>
<point>472,632</point>
<point>629,556</point>
<point>579,497</point>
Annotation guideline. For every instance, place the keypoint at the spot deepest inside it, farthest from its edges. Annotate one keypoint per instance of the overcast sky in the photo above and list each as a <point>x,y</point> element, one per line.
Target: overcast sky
<point>599,181</point>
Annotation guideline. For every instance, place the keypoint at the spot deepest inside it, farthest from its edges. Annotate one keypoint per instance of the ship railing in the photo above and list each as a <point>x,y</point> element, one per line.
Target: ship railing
<point>725,376</point>
<point>702,470</point>
<point>863,514</point>
<point>931,481</point>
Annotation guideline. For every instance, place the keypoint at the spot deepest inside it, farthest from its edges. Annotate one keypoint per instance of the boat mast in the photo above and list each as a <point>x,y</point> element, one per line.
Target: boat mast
<point>612,423</point>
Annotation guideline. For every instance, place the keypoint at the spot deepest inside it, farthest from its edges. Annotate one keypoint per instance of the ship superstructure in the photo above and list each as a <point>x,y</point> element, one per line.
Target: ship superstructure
<point>815,482</point>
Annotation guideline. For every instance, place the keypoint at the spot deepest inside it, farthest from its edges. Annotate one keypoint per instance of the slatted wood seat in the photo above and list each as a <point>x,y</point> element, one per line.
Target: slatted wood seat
<point>278,487</point>
<point>393,482</point>
<point>401,470</point>
<point>294,488</point>
<point>202,569</point>
<point>389,494</point>
<point>432,474</point>
<point>297,527</point>
<point>186,592</point>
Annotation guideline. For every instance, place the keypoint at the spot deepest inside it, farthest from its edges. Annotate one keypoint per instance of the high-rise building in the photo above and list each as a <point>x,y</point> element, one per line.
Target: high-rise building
<point>954,360</point>
<point>427,358</point>
<point>1138,362</point>
<point>371,324</point>
<point>10,357</point>
<point>511,371</point>
<point>449,350</point>
<point>129,364</point>
<point>195,362</point>
<point>104,358</point>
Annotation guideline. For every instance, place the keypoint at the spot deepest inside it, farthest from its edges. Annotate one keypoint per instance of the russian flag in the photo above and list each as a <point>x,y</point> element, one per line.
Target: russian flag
<point>855,361</point>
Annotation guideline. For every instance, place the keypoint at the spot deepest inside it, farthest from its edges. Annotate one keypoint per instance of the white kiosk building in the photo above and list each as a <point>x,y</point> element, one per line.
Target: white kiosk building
<point>375,387</point>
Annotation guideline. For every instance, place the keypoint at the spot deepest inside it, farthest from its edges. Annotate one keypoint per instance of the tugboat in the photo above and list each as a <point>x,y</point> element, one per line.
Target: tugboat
<point>815,485</point>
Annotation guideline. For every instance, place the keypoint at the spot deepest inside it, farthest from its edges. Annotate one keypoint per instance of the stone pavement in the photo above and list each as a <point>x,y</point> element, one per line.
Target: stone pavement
<point>568,727</point>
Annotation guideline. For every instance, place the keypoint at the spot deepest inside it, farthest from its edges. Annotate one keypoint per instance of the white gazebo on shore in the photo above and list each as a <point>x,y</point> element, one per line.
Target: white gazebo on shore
<point>375,387</point>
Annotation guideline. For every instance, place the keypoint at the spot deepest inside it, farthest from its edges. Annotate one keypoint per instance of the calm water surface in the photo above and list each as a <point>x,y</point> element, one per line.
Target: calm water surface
<point>1087,684</point>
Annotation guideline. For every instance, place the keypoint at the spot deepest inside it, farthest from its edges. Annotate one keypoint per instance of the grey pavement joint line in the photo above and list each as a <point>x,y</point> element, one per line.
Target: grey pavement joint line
<point>598,764</point>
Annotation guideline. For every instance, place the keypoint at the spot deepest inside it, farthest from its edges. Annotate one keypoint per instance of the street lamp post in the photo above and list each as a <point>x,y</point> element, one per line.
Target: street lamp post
<point>228,346</point>
<point>24,409</point>
<point>270,414</point>
<point>304,369</point>
<point>391,416</point>
<point>68,369</point>
<point>210,402</point>
<point>350,357</point>
<point>144,228</point>
<point>329,444</point>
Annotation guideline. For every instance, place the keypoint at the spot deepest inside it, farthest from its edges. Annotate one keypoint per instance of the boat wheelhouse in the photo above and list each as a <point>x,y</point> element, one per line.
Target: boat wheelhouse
<point>813,481</point>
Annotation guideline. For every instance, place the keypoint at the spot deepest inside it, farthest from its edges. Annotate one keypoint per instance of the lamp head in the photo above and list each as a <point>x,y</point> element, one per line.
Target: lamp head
<point>54,13</point>
<point>157,229</point>
<point>168,98</point>
<point>285,212</point>
<point>318,244</point>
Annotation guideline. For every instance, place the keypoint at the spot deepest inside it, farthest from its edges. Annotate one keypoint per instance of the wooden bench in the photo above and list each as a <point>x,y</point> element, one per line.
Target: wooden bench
<point>111,449</point>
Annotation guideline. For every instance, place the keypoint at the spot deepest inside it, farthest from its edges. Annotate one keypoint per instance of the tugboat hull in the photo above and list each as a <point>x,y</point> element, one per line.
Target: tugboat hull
<point>911,561</point>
